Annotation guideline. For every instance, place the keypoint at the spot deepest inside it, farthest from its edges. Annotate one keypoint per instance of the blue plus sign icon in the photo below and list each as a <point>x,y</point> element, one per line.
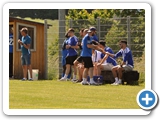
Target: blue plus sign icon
<point>147,99</point>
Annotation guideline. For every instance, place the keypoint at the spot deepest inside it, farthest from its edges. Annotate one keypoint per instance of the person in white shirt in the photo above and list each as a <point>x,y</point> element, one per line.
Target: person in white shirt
<point>96,58</point>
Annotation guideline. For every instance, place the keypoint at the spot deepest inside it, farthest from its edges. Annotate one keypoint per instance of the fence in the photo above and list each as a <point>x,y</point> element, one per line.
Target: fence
<point>111,30</point>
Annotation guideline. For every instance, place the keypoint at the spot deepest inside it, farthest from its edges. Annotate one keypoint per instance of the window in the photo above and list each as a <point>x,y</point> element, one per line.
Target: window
<point>31,33</point>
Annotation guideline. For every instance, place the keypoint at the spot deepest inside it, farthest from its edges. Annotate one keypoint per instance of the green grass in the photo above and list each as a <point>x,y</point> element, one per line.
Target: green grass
<point>53,94</point>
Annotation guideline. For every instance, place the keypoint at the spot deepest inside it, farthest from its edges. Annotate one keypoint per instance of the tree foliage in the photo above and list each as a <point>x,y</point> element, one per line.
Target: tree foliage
<point>113,25</point>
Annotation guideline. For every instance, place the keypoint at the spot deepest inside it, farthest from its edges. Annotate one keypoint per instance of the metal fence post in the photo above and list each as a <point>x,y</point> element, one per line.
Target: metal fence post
<point>46,50</point>
<point>70,23</point>
<point>98,28</point>
<point>61,13</point>
<point>128,31</point>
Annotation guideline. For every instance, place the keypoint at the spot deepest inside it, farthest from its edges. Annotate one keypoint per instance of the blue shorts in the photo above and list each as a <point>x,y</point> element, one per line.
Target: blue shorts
<point>26,59</point>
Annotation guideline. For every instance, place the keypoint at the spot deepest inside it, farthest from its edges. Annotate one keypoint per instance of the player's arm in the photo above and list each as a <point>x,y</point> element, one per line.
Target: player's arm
<point>27,46</point>
<point>96,47</point>
<point>119,53</point>
<point>104,58</point>
<point>74,47</point>
<point>20,42</point>
<point>123,63</point>
<point>109,54</point>
<point>73,44</point>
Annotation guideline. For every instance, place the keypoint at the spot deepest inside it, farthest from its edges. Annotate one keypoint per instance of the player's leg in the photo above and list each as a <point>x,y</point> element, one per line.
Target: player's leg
<point>24,67</point>
<point>28,63</point>
<point>73,59</point>
<point>85,71</point>
<point>114,72</point>
<point>80,72</point>
<point>95,69</point>
<point>120,70</point>
<point>90,66</point>
<point>100,68</point>
<point>68,67</point>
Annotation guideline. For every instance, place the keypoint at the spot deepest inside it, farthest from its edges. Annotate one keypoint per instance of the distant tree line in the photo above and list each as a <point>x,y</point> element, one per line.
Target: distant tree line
<point>38,13</point>
<point>53,13</point>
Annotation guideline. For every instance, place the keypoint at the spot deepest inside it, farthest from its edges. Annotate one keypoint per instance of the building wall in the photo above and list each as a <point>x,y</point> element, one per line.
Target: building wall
<point>37,57</point>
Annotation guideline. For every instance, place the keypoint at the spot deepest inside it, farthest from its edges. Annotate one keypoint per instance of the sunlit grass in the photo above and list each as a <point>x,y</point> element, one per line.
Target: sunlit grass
<point>55,94</point>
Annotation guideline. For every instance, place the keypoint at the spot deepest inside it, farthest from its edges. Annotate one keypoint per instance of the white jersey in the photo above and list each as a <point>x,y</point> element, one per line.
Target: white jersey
<point>96,56</point>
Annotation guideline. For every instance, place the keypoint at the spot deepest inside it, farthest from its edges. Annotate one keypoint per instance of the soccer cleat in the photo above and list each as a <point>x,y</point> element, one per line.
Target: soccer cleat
<point>24,79</point>
<point>30,79</point>
<point>78,81</point>
<point>119,82</point>
<point>115,83</point>
<point>74,80</point>
<point>93,83</point>
<point>63,79</point>
<point>85,83</point>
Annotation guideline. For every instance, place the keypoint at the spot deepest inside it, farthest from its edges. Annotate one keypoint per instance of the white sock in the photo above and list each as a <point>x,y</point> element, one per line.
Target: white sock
<point>120,80</point>
<point>84,79</point>
<point>91,80</point>
<point>25,78</point>
<point>65,76</point>
<point>116,79</point>
<point>74,76</point>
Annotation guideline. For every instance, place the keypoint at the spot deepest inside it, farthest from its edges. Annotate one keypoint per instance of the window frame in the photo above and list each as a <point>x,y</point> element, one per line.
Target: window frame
<point>17,36</point>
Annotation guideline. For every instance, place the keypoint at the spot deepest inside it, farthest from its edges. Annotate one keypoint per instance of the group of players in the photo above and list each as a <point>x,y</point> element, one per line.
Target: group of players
<point>94,57</point>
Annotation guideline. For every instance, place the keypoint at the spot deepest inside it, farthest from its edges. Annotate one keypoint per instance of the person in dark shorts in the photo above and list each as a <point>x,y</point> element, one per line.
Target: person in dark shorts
<point>78,62</point>
<point>26,53</point>
<point>87,45</point>
<point>72,54</point>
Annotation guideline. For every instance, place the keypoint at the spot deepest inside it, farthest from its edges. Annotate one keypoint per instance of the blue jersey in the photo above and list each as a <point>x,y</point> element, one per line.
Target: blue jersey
<point>126,55</point>
<point>86,52</point>
<point>64,52</point>
<point>73,42</point>
<point>109,59</point>
<point>11,43</point>
<point>25,40</point>
<point>95,38</point>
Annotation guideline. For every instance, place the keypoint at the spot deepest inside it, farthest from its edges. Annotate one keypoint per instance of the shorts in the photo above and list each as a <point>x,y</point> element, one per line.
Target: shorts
<point>26,59</point>
<point>107,66</point>
<point>87,62</point>
<point>79,59</point>
<point>70,59</point>
<point>127,67</point>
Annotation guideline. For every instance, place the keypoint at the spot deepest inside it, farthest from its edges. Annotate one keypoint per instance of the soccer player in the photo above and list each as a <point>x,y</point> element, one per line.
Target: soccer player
<point>96,58</point>
<point>78,62</point>
<point>106,62</point>
<point>127,64</point>
<point>26,54</point>
<point>72,54</point>
<point>64,54</point>
<point>87,46</point>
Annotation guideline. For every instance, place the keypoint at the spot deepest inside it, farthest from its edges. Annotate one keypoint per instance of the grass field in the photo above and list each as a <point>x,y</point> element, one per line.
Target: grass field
<point>53,94</point>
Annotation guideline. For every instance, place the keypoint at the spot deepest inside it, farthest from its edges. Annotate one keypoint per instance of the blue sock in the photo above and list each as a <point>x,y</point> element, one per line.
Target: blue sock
<point>69,75</point>
<point>63,75</point>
